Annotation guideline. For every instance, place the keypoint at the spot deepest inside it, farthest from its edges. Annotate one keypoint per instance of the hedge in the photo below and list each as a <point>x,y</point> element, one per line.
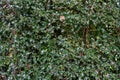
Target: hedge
<point>60,40</point>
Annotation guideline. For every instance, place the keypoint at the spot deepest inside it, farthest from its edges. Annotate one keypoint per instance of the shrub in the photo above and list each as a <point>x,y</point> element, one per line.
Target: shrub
<point>59,39</point>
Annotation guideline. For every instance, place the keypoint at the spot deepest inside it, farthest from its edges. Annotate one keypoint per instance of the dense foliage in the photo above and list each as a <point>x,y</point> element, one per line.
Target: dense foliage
<point>59,40</point>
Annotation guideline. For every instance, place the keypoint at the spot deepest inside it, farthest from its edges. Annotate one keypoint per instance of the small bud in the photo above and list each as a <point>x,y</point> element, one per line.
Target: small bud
<point>62,18</point>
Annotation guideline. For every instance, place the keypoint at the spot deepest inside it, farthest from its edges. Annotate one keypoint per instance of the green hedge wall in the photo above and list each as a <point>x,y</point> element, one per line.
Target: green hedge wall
<point>59,40</point>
